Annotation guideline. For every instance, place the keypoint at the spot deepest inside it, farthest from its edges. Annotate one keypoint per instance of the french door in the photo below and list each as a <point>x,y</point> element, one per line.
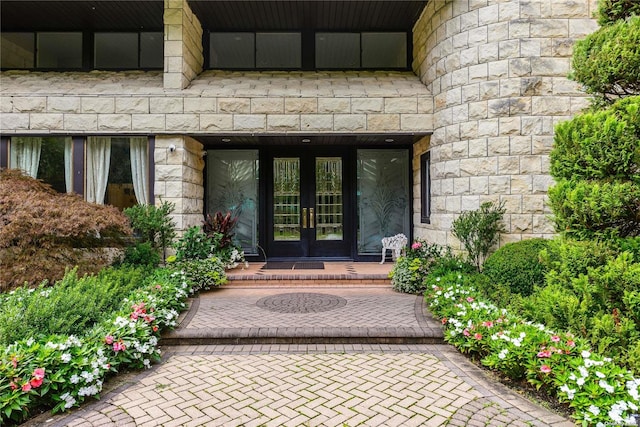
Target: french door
<point>308,203</point>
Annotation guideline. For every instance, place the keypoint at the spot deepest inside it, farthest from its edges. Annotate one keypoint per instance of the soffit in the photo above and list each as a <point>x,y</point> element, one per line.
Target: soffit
<point>278,15</point>
<point>96,15</point>
<point>214,15</point>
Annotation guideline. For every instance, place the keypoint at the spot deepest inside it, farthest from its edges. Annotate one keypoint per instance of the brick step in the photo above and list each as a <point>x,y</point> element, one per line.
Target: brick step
<point>292,335</point>
<point>289,282</point>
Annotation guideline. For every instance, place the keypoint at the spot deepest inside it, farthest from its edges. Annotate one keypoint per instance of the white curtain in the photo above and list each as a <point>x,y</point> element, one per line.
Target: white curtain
<point>140,169</point>
<point>25,154</point>
<point>98,157</point>
<point>68,164</point>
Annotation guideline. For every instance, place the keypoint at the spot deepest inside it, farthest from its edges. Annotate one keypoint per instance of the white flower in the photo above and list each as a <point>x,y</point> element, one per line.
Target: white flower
<point>146,363</point>
<point>583,371</point>
<point>594,410</point>
<point>66,357</point>
<point>569,391</point>
<point>74,379</point>
<point>600,374</point>
<point>606,386</point>
<point>503,353</point>
<point>585,354</point>
<point>580,381</point>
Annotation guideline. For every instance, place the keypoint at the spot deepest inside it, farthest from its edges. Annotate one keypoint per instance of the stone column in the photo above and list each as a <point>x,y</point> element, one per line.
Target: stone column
<point>498,73</point>
<point>178,165</point>
<point>183,58</point>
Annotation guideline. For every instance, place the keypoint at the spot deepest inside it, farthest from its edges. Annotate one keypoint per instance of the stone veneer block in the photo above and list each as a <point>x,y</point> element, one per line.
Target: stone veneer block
<point>81,122</point>
<point>316,122</point>
<point>36,104</point>
<point>59,104</point>
<point>15,121</point>
<point>114,122</point>
<point>46,121</point>
<point>350,122</point>
<point>102,105</point>
<point>383,122</point>
<point>249,122</point>
<point>216,122</point>
<point>283,122</point>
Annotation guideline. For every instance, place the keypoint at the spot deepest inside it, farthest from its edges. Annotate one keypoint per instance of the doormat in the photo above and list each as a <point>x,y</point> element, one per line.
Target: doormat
<point>287,265</point>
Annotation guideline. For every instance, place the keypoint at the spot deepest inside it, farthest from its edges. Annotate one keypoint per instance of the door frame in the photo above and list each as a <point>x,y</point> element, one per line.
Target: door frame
<point>308,247</point>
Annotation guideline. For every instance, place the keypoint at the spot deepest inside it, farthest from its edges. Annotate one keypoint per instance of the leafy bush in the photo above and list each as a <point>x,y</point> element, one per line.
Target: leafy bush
<point>193,245</point>
<point>518,265</point>
<point>602,145</point>
<point>610,11</point>
<point>203,274</point>
<point>62,371</point>
<point>141,254</point>
<point>409,270</point>
<point>558,363</point>
<point>72,306</point>
<point>479,230</point>
<point>44,232</point>
<point>607,62</point>
<point>592,209</point>
<point>153,224</point>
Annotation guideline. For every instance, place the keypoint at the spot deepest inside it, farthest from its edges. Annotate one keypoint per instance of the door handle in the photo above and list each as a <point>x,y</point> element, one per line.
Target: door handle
<point>312,219</point>
<point>304,217</point>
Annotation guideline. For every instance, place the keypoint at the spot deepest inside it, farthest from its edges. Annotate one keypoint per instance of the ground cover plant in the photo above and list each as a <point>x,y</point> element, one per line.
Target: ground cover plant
<point>42,232</point>
<point>60,371</point>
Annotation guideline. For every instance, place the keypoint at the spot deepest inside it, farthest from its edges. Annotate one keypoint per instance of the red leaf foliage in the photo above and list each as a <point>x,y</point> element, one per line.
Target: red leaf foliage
<point>43,232</point>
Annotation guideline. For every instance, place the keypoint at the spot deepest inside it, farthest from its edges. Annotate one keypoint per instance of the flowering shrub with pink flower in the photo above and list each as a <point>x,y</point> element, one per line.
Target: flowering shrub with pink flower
<point>600,392</point>
<point>62,371</point>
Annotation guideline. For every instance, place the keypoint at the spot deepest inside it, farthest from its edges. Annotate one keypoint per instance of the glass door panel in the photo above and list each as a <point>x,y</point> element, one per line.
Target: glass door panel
<point>286,199</point>
<point>329,204</point>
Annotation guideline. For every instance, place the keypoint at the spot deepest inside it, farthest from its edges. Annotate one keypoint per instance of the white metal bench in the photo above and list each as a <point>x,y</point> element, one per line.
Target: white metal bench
<point>396,244</point>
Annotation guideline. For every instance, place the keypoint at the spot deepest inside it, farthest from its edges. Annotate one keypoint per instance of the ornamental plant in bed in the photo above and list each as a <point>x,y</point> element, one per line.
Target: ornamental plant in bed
<point>559,363</point>
<point>43,369</point>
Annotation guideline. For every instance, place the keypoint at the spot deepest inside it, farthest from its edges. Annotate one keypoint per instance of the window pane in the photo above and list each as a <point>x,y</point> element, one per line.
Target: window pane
<point>52,162</point>
<point>384,50</point>
<point>337,50</point>
<point>151,50</point>
<point>278,50</point>
<point>59,50</point>
<point>383,197</point>
<point>16,50</point>
<point>232,186</point>
<point>286,198</point>
<point>328,216</point>
<point>116,50</point>
<point>425,187</point>
<point>120,191</point>
<point>231,50</point>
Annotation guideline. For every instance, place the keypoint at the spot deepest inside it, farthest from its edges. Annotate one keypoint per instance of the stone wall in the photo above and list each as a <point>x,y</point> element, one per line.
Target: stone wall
<point>183,58</point>
<point>497,70</point>
<point>216,102</point>
<point>179,179</point>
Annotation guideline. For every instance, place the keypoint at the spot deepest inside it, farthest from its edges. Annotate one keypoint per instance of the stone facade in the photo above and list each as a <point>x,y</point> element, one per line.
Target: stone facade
<point>489,82</point>
<point>183,58</point>
<point>498,74</point>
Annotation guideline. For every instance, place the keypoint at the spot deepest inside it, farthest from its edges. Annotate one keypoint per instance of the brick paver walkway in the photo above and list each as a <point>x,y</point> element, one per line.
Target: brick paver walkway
<point>343,385</point>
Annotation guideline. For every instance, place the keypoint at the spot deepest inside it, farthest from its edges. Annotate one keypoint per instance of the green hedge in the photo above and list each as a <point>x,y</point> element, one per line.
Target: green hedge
<point>518,266</point>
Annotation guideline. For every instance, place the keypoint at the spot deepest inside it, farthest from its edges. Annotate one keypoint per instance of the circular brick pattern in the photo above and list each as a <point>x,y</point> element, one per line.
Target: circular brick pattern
<point>301,302</point>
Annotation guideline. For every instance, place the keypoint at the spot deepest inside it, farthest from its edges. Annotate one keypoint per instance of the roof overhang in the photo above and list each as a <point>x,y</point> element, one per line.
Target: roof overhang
<point>214,15</point>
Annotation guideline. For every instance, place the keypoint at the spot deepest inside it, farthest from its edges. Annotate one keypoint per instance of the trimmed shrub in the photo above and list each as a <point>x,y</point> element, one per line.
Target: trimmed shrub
<point>603,145</point>
<point>193,245</point>
<point>43,232</point>
<point>607,62</point>
<point>593,209</point>
<point>611,11</point>
<point>518,265</point>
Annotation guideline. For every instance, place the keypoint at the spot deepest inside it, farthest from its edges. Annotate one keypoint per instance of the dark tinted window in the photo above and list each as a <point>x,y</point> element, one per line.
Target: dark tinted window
<point>278,50</point>
<point>16,50</point>
<point>59,50</point>
<point>116,50</point>
<point>232,50</point>
<point>151,50</point>
<point>337,50</point>
<point>384,50</point>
